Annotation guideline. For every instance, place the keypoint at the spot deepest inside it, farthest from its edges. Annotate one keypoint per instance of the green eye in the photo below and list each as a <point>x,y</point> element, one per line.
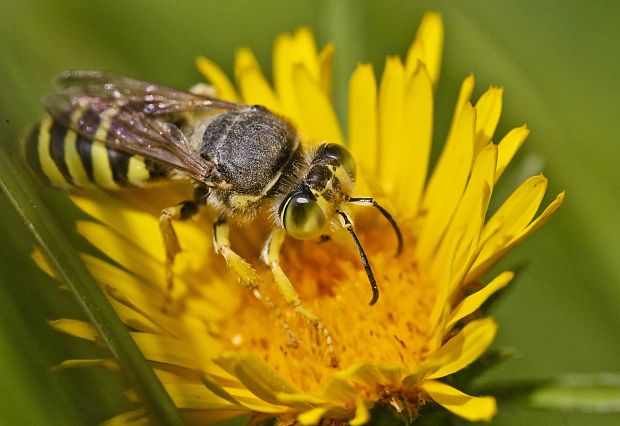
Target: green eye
<point>341,156</point>
<point>302,217</point>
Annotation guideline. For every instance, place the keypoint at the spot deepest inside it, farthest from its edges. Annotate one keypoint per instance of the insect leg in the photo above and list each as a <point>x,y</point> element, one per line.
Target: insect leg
<point>241,268</point>
<point>182,211</point>
<point>271,256</point>
<point>244,271</point>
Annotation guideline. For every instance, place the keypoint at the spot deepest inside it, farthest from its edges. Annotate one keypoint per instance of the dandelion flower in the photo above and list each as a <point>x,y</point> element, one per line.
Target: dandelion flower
<point>220,353</point>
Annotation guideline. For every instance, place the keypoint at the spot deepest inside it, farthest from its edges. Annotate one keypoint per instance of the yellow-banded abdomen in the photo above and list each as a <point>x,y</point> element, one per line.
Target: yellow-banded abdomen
<point>68,159</point>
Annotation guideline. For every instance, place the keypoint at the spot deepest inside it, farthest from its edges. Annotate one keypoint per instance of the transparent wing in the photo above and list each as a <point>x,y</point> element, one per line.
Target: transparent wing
<point>153,99</point>
<point>131,115</point>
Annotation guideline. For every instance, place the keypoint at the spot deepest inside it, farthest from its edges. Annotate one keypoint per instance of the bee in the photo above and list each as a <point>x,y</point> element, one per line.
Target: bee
<point>111,131</point>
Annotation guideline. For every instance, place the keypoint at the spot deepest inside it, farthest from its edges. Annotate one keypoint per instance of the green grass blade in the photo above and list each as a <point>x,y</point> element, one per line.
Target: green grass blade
<point>586,393</point>
<point>18,187</point>
<point>342,22</point>
<point>596,393</point>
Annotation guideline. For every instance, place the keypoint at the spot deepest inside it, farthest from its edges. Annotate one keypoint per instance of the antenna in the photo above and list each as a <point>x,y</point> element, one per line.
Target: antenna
<point>347,223</point>
<point>369,201</point>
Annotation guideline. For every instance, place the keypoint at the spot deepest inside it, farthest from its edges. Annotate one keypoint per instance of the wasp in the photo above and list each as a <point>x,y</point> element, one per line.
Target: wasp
<point>112,131</point>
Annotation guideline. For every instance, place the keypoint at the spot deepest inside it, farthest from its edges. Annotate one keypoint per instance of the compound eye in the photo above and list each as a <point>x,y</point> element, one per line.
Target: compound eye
<point>342,156</point>
<point>302,217</point>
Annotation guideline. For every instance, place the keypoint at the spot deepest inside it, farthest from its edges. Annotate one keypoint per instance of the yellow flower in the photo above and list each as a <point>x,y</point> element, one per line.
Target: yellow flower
<point>221,353</point>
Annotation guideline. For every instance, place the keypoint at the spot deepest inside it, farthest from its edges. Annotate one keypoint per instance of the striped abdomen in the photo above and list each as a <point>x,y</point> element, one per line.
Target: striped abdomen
<point>67,159</point>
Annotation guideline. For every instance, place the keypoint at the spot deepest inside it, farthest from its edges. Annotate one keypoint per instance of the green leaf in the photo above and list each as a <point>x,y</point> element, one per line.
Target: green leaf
<point>342,22</point>
<point>18,187</point>
<point>592,393</point>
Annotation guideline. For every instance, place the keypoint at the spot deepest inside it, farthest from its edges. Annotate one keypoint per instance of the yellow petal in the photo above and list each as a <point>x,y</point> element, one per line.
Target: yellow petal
<point>427,46</point>
<point>256,375</point>
<point>300,400</point>
<point>283,62</point>
<point>125,252</point>
<point>514,215</point>
<point>417,137</point>
<point>175,374</point>
<point>76,328</point>
<point>41,261</point>
<point>133,241</point>
<point>108,274</point>
<point>217,77</point>
<point>134,225</point>
<point>135,320</point>
<point>217,389</point>
<point>391,109</point>
<point>540,220</point>
<point>508,147</point>
<point>306,51</point>
<point>326,65</point>
<point>149,199</point>
<point>467,88</point>
<point>519,209</point>
<point>474,301</point>
<point>197,397</point>
<point>488,111</point>
<point>363,118</point>
<point>468,220</point>
<point>138,417</point>
<point>290,51</point>
<point>244,58</point>
<point>255,88</point>
<point>339,389</point>
<point>195,355</point>
<point>319,121</point>
<point>489,257</point>
<point>243,397</point>
<point>148,296</point>
<point>468,407</point>
<point>439,313</point>
<point>362,414</point>
<point>147,316</point>
<point>447,183</point>
<point>464,348</point>
<point>312,416</point>
<point>374,375</point>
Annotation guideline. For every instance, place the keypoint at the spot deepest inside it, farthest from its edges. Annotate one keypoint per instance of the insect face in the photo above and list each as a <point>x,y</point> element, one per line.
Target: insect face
<point>306,212</point>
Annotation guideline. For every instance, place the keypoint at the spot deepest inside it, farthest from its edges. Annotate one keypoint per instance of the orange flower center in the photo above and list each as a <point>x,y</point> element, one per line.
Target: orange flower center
<point>333,285</point>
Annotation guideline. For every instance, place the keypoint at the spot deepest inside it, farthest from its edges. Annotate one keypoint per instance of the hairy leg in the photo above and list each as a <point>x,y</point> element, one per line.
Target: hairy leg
<point>182,211</point>
<point>244,271</point>
<point>271,256</point>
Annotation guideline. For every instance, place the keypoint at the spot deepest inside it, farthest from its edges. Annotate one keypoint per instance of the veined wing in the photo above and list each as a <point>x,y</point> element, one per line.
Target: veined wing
<point>130,115</point>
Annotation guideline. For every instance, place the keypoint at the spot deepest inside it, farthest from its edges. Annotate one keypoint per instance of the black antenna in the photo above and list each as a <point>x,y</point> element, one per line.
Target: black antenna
<point>346,222</point>
<point>369,201</point>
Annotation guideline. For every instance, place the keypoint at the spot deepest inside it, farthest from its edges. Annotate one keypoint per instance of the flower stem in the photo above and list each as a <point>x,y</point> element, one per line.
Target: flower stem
<point>19,188</point>
<point>342,22</point>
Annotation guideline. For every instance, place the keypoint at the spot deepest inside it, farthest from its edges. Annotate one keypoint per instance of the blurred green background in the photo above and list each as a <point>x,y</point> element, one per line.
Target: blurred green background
<point>557,60</point>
